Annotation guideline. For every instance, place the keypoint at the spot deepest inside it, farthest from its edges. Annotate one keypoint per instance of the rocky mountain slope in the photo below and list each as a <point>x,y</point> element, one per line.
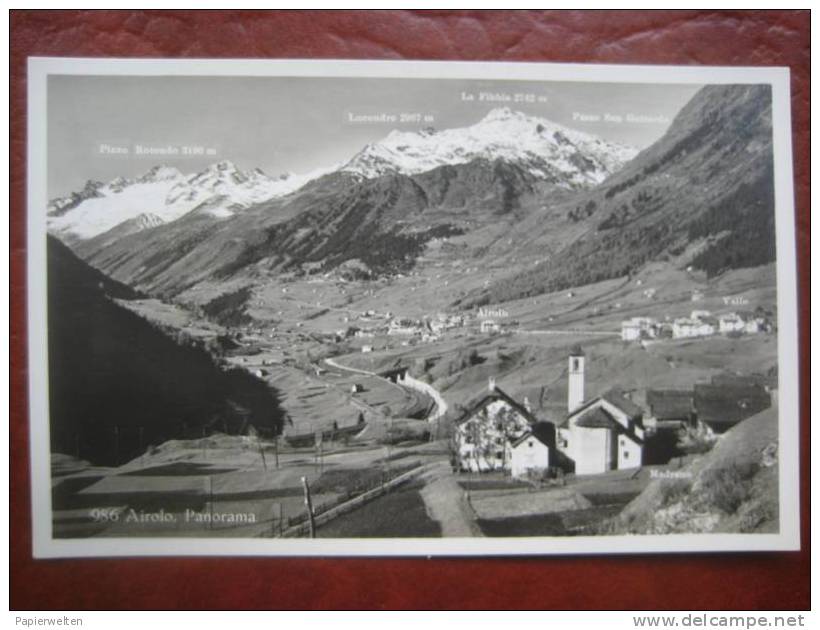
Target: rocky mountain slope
<point>702,194</point>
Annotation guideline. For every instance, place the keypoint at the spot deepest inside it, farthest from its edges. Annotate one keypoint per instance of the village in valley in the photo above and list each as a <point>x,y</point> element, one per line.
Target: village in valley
<point>484,422</point>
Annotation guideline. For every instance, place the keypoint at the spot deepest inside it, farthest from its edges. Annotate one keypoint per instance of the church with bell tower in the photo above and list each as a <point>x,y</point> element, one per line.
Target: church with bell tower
<point>603,433</point>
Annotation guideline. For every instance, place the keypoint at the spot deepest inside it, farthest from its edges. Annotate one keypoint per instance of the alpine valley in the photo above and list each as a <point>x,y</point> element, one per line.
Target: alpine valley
<point>377,296</point>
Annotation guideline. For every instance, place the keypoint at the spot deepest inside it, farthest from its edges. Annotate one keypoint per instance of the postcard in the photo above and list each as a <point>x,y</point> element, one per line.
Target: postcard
<point>410,308</point>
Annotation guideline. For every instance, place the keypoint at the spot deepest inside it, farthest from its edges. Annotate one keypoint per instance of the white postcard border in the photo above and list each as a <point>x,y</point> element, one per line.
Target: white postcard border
<point>45,546</point>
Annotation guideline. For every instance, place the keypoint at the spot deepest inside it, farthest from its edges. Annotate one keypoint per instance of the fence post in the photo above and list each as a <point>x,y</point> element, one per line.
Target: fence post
<point>309,505</point>
<point>262,452</point>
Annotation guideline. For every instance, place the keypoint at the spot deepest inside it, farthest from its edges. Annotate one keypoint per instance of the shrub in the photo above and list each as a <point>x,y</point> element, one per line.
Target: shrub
<point>230,309</point>
<point>695,440</point>
<point>400,435</point>
<point>727,488</point>
<point>673,490</point>
<point>756,516</point>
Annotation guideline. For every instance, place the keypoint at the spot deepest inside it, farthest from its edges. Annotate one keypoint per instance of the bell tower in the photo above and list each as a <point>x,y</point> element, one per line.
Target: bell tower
<point>575,384</point>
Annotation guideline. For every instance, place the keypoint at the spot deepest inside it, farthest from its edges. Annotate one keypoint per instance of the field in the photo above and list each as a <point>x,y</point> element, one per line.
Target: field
<point>503,508</point>
<point>292,338</point>
<point>399,514</point>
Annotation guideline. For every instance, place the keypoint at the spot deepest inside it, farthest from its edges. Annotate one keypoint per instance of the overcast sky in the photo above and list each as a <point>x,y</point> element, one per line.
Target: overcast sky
<point>299,124</point>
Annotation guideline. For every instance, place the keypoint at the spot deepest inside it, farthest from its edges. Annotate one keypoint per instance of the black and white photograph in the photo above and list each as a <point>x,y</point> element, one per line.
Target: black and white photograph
<point>409,308</point>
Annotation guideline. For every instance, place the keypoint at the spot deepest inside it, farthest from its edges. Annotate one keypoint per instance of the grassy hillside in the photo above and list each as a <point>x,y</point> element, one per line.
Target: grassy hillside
<point>708,180</point>
<point>118,385</point>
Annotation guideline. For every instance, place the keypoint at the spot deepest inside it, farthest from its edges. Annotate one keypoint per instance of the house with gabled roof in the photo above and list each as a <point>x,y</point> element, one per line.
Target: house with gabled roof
<point>603,433</point>
<point>490,431</point>
<point>670,409</point>
<point>534,450</point>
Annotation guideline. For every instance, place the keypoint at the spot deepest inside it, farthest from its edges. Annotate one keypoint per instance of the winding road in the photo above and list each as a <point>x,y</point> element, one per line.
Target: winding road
<point>409,383</point>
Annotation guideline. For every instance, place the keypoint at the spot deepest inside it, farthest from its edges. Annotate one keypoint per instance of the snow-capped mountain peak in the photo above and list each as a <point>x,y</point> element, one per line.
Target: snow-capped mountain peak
<point>564,156</point>
<point>164,194</point>
<point>161,173</point>
<point>502,113</point>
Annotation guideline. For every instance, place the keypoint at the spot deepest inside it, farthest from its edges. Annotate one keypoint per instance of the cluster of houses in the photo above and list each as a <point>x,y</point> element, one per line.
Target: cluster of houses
<point>700,323</point>
<point>607,432</point>
<point>491,326</point>
<point>372,324</point>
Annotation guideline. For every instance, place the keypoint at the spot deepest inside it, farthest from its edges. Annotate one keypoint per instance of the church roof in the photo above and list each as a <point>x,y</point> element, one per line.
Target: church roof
<point>600,418</point>
<point>597,418</point>
<point>616,398</point>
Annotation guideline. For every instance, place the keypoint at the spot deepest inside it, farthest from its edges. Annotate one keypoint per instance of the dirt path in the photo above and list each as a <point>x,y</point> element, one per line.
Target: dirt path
<point>445,503</point>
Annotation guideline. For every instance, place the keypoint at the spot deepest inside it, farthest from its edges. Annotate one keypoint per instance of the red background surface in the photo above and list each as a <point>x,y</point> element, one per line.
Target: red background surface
<point>691,581</point>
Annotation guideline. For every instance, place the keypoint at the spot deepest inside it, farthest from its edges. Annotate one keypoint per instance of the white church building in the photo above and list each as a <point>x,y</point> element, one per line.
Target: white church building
<point>603,433</point>
<point>498,434</point>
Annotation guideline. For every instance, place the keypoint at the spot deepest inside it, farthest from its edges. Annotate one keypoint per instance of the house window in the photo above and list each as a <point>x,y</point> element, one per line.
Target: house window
<point>530,444</point>
<point>499,455</point>
<point>626,454</point>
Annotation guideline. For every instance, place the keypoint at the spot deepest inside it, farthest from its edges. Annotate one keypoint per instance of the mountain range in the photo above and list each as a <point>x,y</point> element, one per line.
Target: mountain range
<point>162,195</point>
<point>555,206</point>
<point>545,149</point>
<point>701,196</point>
<point>548,151</point>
